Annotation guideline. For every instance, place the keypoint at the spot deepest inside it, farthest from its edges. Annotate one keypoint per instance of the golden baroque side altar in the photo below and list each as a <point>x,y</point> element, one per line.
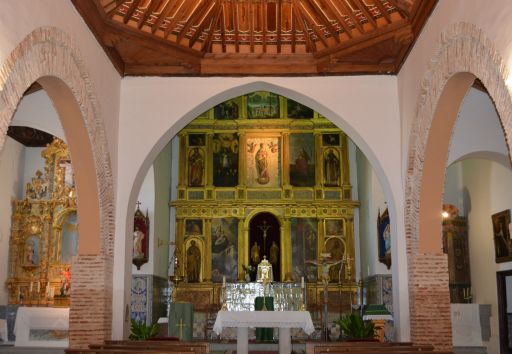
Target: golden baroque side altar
<point>44,234</point>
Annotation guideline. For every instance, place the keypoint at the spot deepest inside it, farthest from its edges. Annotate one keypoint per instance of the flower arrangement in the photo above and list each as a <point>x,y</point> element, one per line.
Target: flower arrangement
<point>250,271</point>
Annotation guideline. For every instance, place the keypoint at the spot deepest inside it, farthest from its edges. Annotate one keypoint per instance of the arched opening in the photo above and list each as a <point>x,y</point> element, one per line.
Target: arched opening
<point>265,241</point>
<point>447,82</point>
<point>65,82</point>
<point>216,150</point>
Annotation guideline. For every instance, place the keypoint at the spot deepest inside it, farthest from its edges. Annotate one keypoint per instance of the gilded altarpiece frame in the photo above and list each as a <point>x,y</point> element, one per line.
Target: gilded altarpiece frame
<point>320,203</point>
<point>44,235</point>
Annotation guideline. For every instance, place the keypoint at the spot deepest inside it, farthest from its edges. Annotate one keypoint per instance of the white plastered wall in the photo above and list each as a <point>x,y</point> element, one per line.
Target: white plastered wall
<point>484,188</point>
<point>153,110</point>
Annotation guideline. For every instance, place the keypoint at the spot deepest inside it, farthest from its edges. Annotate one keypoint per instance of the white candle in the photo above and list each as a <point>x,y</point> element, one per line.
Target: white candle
<point>31,286</point>
<point>38,287</point>
<point>302,283</point>
<point>223,280</point>
<point>48,289</point>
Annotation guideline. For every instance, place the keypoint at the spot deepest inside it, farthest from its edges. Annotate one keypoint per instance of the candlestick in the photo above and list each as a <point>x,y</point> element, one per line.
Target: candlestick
<point>31,286</point>
<point>302,282</point>
<point>223,281</point>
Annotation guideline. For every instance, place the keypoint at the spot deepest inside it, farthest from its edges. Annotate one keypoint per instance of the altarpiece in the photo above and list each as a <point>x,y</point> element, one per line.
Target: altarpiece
<point>261,175</point>
<point>44,234</point>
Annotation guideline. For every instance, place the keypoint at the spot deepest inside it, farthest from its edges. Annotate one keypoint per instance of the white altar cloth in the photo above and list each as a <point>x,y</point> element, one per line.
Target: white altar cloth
<point>42,327</point>
<point>284,320</point>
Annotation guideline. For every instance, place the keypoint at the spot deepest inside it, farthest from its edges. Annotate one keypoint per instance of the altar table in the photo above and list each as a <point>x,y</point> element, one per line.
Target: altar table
<point>42,327</point>
<point>284,320</point>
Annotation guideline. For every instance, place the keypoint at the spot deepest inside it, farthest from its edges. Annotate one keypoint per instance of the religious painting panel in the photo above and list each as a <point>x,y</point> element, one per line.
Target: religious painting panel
<point>263,105</point>
<point>196,139</point>
<point>196,166</point>
<point>331,139</point>
<point>193,227</point>
<point>224,249</point>
<point>296,110</point>
<point>332,167</point>
<point>302,160</point>
<point>334,227</point>
<point>228,109</point>
<point>69,240</point>
<point>304,248</point>
<point>384,238</point>
<point>263,161</point>
<point>140,252</point>
<point>502,242</point>
<point>31,255</point>
<point>336,248</point>
<point>225,160</point>
<point>194,259</point>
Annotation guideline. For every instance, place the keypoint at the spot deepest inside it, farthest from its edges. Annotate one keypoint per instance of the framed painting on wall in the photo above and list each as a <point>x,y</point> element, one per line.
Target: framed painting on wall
<point>302,160</point>
<point>228,110</point>
<point>263,105</point>
<point>295,110</point>
<point>224,249</point>
<point>263,159</point>
<point>501,234</point>
<point>225,160</point>
<point>384,238</point>
<point>304,248</point>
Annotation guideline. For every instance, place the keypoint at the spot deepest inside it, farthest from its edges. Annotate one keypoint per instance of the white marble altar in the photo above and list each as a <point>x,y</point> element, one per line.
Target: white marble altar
<point>42,327</point>
<point>467,325</point>
<point>284,320</point>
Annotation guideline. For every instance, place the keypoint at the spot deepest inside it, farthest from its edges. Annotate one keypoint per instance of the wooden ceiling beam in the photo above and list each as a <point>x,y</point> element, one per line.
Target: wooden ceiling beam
<point>200,11</point>
<point>294,34</point>
<point>300,21</point>
<point>350,14</point>
<point>307,16</point>
<point>340,19</point>
<point>223,27</point>
<point>117,7</point>
<point>279,11</point>
<point>362,7</point>
<point>326,21</point>
<point>208,42</point>
<point>199,30</point>
<point>165,12</point>
<point>264,23</point>
<point>234,8</point>
<point>251,25</point>
<point>382,10</point>
<point>401,10</point>
<point>147,13</point>
<point>183,10</point>
<point>130,11</point>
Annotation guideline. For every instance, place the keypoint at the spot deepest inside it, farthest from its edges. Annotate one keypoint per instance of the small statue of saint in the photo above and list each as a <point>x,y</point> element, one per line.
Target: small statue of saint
<point>255,253</point>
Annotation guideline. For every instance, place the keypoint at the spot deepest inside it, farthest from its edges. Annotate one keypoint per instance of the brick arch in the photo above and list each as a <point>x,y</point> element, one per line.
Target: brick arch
<point>49,56</point>
<point>463,54</point>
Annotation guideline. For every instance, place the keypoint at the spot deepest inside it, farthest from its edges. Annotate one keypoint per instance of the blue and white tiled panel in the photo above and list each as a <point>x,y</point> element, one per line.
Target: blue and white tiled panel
<point>141,293</point>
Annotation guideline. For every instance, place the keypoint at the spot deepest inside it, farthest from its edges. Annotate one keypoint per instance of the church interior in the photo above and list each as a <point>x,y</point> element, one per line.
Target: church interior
<point>192,167</point>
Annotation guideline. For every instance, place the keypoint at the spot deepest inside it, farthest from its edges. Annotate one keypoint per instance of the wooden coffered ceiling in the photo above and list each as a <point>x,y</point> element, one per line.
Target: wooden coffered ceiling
<point>256,37</point>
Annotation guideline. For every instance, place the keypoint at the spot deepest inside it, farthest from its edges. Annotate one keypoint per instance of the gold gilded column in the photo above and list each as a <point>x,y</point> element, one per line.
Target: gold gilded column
<point>286,250</point>
<point>243,251</point>
<point>285,159</point>
<point>180,246</point>
<point>319,169</point>
<point>208,254</point>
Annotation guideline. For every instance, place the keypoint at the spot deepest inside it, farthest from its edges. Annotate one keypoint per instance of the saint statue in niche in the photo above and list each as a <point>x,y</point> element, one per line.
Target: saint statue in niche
<point>255,253</point>
<point>331,168</point>
<point>195,167</point>
<point>138,237</point>
<point>274,254</point>
<point>193,262</point>
<point>262,165</point>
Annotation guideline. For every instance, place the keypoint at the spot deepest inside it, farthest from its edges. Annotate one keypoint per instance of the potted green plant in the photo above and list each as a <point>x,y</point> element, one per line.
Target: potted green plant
<point>354,328</point>
<point>139,330</point>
